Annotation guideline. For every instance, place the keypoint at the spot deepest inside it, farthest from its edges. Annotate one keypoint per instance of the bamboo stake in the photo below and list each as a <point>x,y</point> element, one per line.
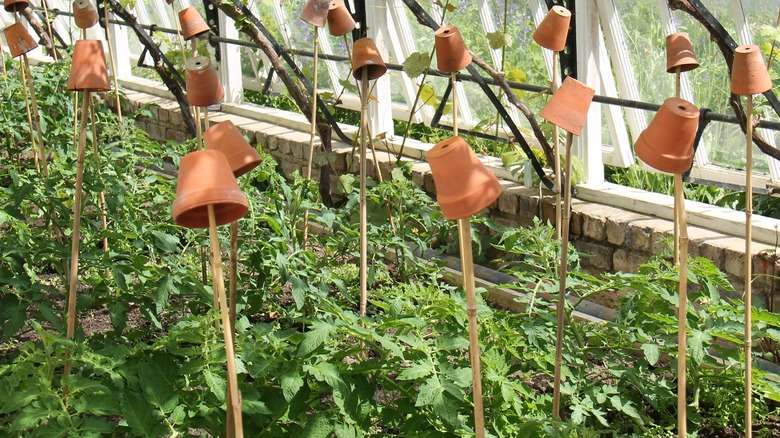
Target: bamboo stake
<point>36,117</point>
<point>113,63</point>
<point>749,271</point>
<point>682,314</point>
<point>313,130</point>
<point>467,266</point>
<point>48,28</point>
<point>467,269</point>
<point>363,208</point>
<point>33,144</point>
<point>76,233</point>
<point>676,222</point>
<point>219,288</point>
<point>103,206</point>
<point>557,154</point>
<point>232,285</point>
<point>562,271</point>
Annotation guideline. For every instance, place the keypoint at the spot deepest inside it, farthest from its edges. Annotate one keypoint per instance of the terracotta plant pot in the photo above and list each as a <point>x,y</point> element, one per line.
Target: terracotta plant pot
<point>203,86</point>
<point>464,185</point>
<point>19,40</point>
<point>205,179</point>
<point>667,143</point>
<point>365,55</point>
<point>748,73</point>
<point>451,52</point>
<point>679,53</point>
<point>84,14</point>
<point>88,70</point>
<point>15,5</point>
<point>192,24</point>
<point>315,12</point>
<point>226,138</point>
<point>553,30</point>
<point>568,107</point>
<point>340,21</point>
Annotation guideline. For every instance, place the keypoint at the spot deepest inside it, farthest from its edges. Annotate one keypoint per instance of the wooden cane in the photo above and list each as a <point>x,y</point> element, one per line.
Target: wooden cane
<point>36,117</point>
<point>313,129</point>
<point>96,155</point>
<point>562,271</point>
<point>219,287</point>
<point>76,232</point>
<point>363,207</point>
<point>749,271</point>
<point>682,313</point>
<point>112,57</point>
<point>48,28</point>
<point>677,72</point>
<point>33,145</point>
<point>556,154</point>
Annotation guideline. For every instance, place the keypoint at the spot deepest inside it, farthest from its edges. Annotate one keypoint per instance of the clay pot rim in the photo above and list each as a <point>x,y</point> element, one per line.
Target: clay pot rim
<point>16,6</point>
<point>441,149</point>
<point>560,10</point>
<point>197,65</point>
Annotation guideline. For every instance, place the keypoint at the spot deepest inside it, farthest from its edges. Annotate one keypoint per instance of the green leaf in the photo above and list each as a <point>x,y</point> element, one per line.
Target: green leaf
<point>318,426</point>
<point>291,383</point>
<point>428,391</point>
<point>162,293</point>
<point>315,337</point>
<point>652,353</point>
<point>697,341</point>
<point>158,381</point>
<point>428,96</point>
<point>416,370</point>
<point>165,242</point>
<point>625,407</point>
<point>517,75</point>
<point>299,289</point>
<point>498,39</point>
<point>416,64</point>
<point>216,383</point>
<point>140,416</point>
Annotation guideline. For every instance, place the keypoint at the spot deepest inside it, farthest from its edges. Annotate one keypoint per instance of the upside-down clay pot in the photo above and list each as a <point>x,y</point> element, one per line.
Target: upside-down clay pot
<point>340,21</point>
<point>553,30</point>
<point>19,40</point>
<point>464,185</point>
<point>366,56</point>
<point>205,179</point>
<point>226,138</point>
<point>88,70</point>
<point>679,53</point>
<point>748,73</point>
<point>568,107</point>
<point>203,85</point>
<point>192,24</point>
<point>315,12</point>
<point>667,142</point>
<point>84,14</point>
<point>451,52</point>
<point>15,5</point>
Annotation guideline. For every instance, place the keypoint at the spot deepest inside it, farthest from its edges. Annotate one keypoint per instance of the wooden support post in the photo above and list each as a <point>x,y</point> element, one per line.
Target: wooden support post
<point>33,143</point>
<point>76,232</point>
<point>557,154</point>
<point>749,271</point>
<point>103,206</point>
<point>234,402</point>
<point>36,117</point>
<point>467,268</point>
<point>363,207</point>
<point>682,312</point>
<point>562,271</point>
<point>45,5</point>
<point>313,129</point>
<point>676,248</point>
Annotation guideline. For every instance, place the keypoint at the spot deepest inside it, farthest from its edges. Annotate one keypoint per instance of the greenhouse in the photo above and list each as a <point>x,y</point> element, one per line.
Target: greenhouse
<point>352,218</point>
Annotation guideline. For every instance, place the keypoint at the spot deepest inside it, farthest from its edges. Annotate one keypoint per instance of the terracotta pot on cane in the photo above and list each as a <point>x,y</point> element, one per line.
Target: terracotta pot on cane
<point>568,107</point>
<point>203,85</point>
<point>679,53</point>
<point>451,52</point>
<point>464,185</point>
<point>667,142</point>
<point>226,138</point>
<point>192,24</point>
<point>748,72</point>
<point>553,30</point>
<point>88,70</point>
<point>365,55</point>
<point>84,14</point>
<point>315,12</point>
<point>340,21</point>
<point>205,178</point>
<point>15,5</point>
<point>19,40</point>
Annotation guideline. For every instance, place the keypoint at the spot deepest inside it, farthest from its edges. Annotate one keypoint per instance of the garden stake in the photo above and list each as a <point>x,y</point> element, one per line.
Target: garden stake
<point>467,268</point>
<point>363,218</point>
<point>749,270</point>
<point>76,232</point>
<point>103,207</point>
<point>676,249</point>
<point>562,271</point>
<point>33,144</point>
<point>313,129</point>
<point>36,117</point>
<point>219,290</point>
<point>556,154</point>
<point>682,313</point>
<point>112,57</point>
